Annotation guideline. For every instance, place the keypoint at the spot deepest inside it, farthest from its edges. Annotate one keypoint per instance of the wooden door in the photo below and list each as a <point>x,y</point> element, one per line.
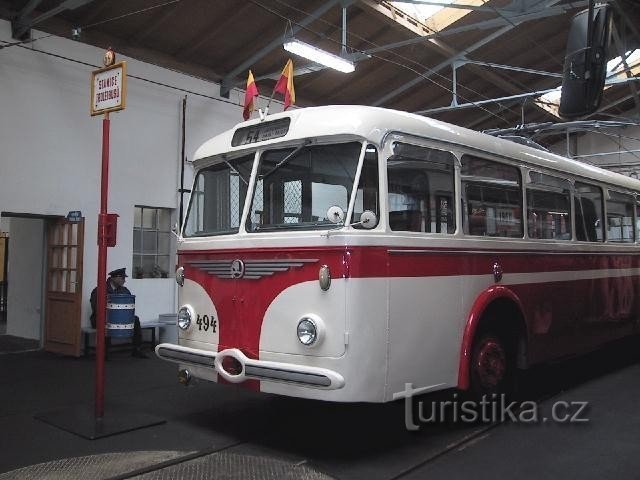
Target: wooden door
<point>63,314</point>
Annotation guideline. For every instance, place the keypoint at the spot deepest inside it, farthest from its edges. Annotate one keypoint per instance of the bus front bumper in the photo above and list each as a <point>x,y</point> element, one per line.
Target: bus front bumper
<point>301,375</point>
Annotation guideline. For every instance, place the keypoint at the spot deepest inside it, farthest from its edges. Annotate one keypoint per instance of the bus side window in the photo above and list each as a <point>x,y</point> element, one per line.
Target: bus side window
<point>492,197</point>
<point>587,202</point>
<point>548,207</point>
<point>421,189</point>
<point>620,218</point>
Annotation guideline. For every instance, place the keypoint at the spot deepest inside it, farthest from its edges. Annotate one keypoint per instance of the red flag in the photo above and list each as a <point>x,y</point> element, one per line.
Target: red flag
<point>249,95</point>
<point>285,85</point>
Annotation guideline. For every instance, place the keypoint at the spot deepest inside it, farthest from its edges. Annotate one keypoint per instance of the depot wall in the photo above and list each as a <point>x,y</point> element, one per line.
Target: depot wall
<point>51,148</point>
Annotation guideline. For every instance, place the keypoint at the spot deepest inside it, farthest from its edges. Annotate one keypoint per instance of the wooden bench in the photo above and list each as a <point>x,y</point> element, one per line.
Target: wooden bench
<point>88,331</point>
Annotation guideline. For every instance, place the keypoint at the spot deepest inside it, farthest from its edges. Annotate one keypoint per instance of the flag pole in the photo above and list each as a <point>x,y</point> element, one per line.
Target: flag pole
<point>266,110</point>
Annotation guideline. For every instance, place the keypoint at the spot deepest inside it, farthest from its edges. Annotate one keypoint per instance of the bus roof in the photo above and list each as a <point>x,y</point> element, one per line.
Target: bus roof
<point>374,123</point>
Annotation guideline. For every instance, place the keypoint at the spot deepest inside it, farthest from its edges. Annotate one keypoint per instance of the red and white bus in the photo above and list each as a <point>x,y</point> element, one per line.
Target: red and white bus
<point>341,252</point>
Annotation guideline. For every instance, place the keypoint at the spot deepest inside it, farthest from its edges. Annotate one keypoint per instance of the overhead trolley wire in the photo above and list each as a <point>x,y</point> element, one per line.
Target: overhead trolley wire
<point>143,79</point>
<point>402,57</point>
<point>85,27</point>
<point>124,15</point>
<point>531,39</point>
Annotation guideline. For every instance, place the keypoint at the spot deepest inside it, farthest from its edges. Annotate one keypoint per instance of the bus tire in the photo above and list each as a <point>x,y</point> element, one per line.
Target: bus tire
<point>492,366</point>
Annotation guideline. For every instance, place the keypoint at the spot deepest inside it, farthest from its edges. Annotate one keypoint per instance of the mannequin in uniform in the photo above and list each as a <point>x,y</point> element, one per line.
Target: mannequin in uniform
<point>115,284</point>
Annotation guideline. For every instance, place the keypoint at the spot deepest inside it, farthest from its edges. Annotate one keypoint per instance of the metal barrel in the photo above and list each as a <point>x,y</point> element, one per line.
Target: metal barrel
<point>120,314</point>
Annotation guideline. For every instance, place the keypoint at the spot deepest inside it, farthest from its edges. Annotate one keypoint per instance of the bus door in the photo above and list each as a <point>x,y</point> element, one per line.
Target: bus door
<point>425,298</point>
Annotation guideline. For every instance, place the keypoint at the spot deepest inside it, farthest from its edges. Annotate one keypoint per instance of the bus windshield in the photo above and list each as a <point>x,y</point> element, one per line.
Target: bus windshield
<point>218,198</point>
<point>296,186</point>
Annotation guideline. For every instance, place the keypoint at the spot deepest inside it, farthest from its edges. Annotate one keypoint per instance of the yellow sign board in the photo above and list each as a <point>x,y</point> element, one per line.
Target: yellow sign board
<point>109,89</point>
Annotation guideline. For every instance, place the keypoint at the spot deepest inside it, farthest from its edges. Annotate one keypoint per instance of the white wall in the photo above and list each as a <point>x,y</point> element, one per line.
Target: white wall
<point>24,277</point>
<point>51,147</point>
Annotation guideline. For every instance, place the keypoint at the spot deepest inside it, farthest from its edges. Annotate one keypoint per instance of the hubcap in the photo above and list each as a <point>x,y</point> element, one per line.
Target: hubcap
<point>491,363</point>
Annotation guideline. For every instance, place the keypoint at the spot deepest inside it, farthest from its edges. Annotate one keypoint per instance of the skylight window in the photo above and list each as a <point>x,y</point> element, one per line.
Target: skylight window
<point>615,70</point>
<point>425,19</point>
<point>420,12</point>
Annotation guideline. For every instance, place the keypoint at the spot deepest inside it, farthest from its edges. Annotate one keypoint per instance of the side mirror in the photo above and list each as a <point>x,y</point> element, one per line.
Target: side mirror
<point>368,220</point>
<point>585,62</point>
<point>335,214</point>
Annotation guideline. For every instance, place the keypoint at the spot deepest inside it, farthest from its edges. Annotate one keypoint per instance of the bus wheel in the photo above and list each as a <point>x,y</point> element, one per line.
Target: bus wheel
<point>490,366</point>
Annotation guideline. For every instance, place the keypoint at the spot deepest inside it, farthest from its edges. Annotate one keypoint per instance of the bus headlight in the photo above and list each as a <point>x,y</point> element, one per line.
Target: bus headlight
<point>310,330</point>
<point>307,331</point>
<point>180,276</point>
<point>185,314</point>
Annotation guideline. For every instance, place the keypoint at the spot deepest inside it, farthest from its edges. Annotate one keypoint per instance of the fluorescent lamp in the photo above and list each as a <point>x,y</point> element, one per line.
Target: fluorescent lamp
<point>319,56</point>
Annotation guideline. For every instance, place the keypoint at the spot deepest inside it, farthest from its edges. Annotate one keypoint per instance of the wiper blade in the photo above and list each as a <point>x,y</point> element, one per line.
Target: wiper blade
<point>291,226</point>
<point>205,233</point>
<point>285,160</point>
<point>233,169</point>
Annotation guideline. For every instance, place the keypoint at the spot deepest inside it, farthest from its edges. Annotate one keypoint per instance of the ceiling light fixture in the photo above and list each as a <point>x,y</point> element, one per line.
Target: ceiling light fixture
<point>317,55</point>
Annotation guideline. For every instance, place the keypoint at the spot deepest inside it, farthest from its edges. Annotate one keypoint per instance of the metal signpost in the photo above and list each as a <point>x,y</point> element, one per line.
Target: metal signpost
<point>108,94</point>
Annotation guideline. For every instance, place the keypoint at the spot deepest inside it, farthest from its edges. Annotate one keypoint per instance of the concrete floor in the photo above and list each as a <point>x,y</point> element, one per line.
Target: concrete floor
<point>340,441</point>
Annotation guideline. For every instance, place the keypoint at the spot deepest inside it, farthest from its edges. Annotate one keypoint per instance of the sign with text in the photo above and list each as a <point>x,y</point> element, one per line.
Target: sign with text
<point>74,216</point>
<point>109,89</point>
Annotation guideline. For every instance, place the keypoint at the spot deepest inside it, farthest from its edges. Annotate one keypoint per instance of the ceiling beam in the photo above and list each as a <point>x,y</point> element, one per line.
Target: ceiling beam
<point>429,73</point>
<point>463,6</point>
<point>623,56</point>
<point>511,88</point>
<point>611,105</point>
<point>230,78</point>
<point>22,24</point>
<point>457,56</point>
<point>60,27</point>
<point>484,25</point>
<point>29,7</point>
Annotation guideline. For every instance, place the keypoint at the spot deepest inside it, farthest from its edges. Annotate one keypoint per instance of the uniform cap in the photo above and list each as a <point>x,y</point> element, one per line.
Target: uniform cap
<point>120,272</point>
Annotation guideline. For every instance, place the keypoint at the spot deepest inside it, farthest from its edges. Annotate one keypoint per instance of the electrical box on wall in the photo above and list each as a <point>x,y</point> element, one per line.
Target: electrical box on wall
<point>108,229</point>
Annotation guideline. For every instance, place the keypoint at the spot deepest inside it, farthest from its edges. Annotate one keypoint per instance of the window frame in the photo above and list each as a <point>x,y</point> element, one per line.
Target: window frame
<point>589,183</point>
<point>633,204</point>
<point>486,157</point>
<point>157,229</point>
<point>437,194</point>
<point>306,186</point>
<point>221,164</point>
<point>541,188</point>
